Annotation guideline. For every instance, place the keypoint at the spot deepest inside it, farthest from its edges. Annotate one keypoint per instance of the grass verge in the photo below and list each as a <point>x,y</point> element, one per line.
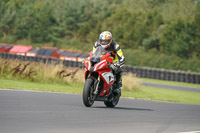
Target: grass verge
<point>170,83</point>
<point>169,95</point>
<point>36,86</point>
<point>156,94</point>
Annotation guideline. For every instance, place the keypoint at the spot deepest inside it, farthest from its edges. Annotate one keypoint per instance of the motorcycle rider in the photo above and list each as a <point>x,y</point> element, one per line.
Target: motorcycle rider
<point>106,41</point>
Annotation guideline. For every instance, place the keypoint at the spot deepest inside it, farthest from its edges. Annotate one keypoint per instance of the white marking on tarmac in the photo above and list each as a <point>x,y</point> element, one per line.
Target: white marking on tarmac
<point>191,132</point>
<point>39,91</point>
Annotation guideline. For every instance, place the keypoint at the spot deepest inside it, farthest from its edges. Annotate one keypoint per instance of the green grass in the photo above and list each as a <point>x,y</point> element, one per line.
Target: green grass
<point>168,95</point>
<point>170,83</point>
<point>156,94</point>
<point>27,85</point>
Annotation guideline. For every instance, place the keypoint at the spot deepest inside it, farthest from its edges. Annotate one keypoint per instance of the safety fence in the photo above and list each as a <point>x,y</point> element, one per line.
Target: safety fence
<point>163,74</point>
<point>142,72</point>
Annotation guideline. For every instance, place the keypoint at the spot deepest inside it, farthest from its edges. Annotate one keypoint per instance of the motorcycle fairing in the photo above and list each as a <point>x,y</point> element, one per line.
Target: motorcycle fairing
<point>108,78</point>
<point>99,62</point>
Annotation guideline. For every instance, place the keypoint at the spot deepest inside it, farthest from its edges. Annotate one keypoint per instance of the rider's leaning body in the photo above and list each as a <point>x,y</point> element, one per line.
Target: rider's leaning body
<point>106,41</point>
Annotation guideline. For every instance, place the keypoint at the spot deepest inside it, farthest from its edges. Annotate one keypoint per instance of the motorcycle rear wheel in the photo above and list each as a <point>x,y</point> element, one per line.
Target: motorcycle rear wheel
<point>88,96</point>
<point>113,102</point>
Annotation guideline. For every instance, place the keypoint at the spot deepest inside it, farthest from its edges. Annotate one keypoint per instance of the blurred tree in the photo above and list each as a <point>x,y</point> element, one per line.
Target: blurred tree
<point>181,38</point>
<point>35,21</point>
<point>155,24</point>
<point>158,26</point>
<point>7,17</point>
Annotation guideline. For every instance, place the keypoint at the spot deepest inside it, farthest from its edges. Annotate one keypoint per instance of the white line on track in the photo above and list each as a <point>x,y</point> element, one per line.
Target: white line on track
<point>39,91</point>
<point>191,132</point>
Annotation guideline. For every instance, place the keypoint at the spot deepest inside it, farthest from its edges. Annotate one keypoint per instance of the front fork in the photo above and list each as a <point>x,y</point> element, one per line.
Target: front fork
<point>96,84</point>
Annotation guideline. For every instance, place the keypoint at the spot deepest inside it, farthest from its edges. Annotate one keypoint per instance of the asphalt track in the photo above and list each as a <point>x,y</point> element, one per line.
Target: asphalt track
<point>40,112</point>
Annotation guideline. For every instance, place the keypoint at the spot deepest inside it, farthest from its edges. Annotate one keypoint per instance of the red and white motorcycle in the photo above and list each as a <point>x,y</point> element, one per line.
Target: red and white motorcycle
<point>99,79</point>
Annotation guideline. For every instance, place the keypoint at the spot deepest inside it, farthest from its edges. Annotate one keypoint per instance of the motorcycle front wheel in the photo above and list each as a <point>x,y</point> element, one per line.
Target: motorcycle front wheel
<point>88,95</point>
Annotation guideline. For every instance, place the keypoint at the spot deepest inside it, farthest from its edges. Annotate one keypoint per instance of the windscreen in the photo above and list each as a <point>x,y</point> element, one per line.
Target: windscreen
<point>96,56</point>
<point>100,51</point>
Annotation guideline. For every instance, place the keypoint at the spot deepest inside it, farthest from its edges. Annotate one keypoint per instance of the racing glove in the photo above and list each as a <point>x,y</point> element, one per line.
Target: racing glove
<point>114,67</point>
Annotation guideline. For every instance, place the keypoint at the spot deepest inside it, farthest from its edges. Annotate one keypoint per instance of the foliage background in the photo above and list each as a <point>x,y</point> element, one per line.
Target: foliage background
<point>153,33</point>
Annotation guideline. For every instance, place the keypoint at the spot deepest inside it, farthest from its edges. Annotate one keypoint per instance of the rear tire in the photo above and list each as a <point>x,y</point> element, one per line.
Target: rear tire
<point>113,102</point>
<point>88,96</point>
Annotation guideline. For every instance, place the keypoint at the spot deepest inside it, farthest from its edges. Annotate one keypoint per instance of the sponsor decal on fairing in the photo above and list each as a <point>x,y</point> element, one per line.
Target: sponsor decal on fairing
<point>108,77</point>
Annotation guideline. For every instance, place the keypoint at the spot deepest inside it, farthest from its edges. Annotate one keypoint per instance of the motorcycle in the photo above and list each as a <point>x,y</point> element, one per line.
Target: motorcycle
<point>99,79</point>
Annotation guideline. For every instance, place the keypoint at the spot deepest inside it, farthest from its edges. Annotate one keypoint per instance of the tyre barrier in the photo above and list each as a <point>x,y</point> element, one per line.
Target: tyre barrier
<point>162,74</point>
<point>143,72</point>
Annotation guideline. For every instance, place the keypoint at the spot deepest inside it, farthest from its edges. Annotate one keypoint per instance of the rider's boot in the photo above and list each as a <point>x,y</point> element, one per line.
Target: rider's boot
<point>118,84</point>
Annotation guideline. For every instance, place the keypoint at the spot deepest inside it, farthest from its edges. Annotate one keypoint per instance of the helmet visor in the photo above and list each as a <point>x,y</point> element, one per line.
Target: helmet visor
<point>105,42</point>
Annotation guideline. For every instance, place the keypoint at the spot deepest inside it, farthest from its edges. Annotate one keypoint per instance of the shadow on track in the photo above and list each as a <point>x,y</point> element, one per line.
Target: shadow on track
<point>126,108</point>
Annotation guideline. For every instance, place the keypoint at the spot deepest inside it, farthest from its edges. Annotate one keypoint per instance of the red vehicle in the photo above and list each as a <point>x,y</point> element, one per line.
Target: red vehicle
<point>99,79</point>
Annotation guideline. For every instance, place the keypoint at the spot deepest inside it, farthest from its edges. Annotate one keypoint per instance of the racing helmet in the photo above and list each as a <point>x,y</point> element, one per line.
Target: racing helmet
<point>105,39</point>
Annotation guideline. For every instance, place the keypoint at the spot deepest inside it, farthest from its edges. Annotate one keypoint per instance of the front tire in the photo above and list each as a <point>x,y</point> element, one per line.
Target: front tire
<point>88,96</point>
